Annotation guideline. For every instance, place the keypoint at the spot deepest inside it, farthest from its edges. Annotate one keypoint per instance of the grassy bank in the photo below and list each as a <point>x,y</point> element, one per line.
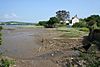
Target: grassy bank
<point>73,32</point>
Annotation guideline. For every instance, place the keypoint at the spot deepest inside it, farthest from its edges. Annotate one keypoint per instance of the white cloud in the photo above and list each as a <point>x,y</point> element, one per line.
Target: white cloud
<point>6,16</point>
<point>14,15</point>
<point>10,16</point>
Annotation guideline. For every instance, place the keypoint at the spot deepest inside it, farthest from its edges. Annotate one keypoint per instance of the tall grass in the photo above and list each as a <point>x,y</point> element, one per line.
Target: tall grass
<point>73,32</point>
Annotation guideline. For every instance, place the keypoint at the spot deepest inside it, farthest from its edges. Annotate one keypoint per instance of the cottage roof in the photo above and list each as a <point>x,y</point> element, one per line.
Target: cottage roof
<point>75,17</point>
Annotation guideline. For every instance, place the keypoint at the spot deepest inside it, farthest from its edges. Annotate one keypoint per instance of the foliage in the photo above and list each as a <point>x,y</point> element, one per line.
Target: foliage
<point>91,59</point>
<point>80,24</point>
<point>52,22</point>
<point>92,24</point>
<point>43,23</point>
<point>93,19</point>
<point>5,63</point>
<point>63,15</point>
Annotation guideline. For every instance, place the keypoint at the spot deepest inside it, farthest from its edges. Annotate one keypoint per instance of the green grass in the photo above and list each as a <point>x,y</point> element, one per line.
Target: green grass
<point>73,32</point>
<point>6,63</point>
<point>84,29</point>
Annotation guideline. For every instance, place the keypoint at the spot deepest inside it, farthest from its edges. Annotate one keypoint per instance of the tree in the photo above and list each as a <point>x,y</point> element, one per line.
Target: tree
<point>95,18</point>
<point>43,23</point>
<point>52,22</point>
<point>63,15</point>
<point>92,22</point>
<point>92,25</point>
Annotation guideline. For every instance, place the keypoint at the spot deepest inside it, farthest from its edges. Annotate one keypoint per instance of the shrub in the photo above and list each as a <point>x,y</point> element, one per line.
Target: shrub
<point>43,23</point>
<point>6,63</point>
<point>80,24</point>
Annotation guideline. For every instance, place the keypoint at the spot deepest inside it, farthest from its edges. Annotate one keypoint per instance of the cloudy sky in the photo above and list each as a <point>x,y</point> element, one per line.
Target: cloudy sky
<point>38,10</point>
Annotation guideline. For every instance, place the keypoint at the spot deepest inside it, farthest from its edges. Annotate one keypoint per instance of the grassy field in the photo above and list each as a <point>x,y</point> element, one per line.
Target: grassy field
<point>73,32</point>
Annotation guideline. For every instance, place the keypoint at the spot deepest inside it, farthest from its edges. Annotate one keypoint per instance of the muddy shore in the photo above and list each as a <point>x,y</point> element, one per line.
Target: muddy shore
<point>37,47</point>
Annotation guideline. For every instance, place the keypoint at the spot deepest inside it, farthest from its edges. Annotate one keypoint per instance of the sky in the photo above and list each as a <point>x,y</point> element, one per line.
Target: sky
<point>41,10</point>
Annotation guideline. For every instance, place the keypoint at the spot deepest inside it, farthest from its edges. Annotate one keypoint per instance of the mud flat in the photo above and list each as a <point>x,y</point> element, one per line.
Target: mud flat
<point>35,47</point>
<point>23,43</point>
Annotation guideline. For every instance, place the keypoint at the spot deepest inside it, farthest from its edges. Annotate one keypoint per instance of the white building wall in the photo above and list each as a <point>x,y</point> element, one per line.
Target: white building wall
<point>75,20</point>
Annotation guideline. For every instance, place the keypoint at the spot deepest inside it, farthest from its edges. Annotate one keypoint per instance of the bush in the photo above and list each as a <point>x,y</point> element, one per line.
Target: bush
<point>43,23</point>
<point>80,24</point>
<point>49,26</point>
<point>6,63</point>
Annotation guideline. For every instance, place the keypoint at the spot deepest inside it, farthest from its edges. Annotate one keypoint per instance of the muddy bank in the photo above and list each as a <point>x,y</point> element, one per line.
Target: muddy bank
<point>24,43</point>
<point>37,47</point>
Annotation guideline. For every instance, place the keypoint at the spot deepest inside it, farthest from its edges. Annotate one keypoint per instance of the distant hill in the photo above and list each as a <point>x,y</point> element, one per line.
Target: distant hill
<point>15,23</point>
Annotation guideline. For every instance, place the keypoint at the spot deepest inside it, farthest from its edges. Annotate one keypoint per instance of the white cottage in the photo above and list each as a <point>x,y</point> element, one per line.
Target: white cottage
<point>74,20</point>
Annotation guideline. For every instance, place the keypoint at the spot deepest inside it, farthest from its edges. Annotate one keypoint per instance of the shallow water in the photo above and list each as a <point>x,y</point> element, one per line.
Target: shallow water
<point>20,42</point>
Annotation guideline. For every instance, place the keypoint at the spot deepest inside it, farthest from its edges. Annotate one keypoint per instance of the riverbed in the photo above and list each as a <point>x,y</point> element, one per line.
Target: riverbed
<point>26,46</point>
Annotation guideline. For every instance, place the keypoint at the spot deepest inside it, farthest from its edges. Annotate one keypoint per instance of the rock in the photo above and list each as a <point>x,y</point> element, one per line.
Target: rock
<point>14,65</point>
<point>52,54</point>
